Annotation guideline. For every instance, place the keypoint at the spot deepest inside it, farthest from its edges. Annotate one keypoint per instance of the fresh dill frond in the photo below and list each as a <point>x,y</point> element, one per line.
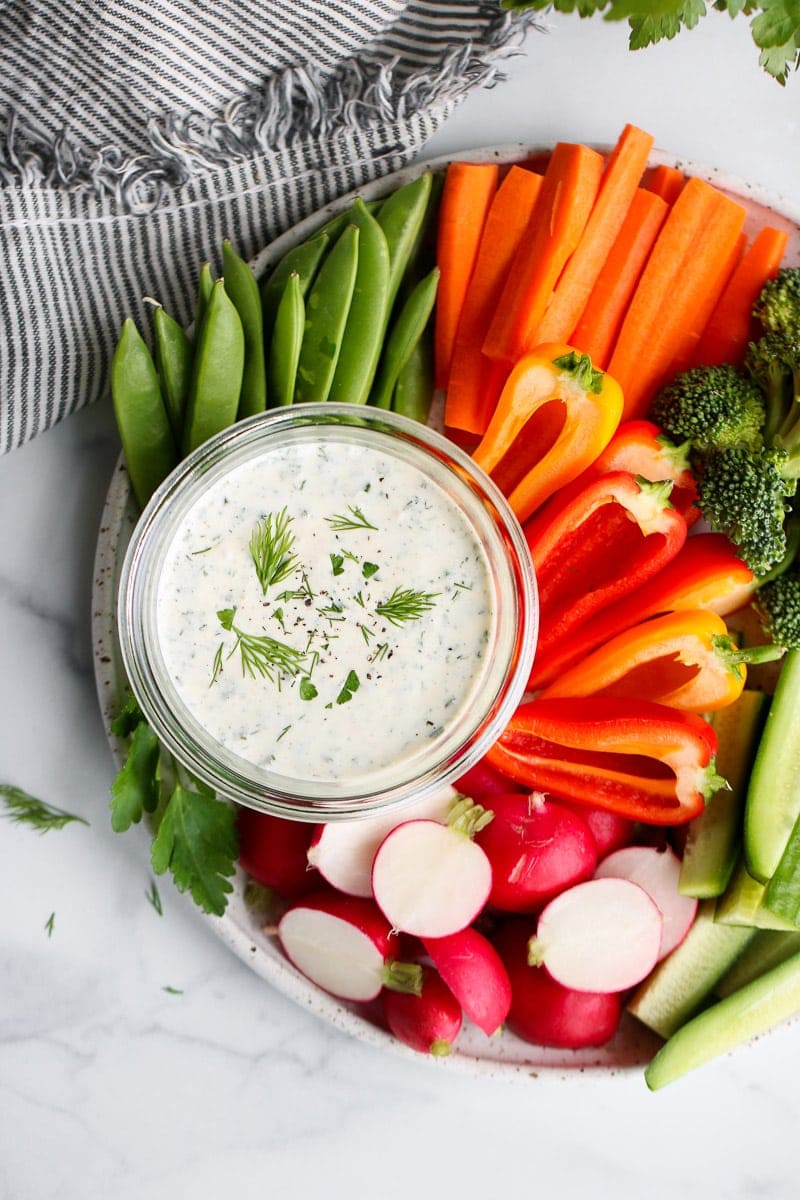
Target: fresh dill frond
<point>261,654</point>
<point>405,604</point>
<point>271,549</point>
<point>50,924</point>
<point>154,898</point>
<point>356,520</point>
<point>25,809</point>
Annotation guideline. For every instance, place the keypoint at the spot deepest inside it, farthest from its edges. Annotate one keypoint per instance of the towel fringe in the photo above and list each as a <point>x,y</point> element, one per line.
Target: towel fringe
<point>296,103</point>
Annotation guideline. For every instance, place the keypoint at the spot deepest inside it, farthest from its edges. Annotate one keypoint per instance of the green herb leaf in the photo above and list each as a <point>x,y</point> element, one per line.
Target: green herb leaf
<point>307,690</point>
<point>369,569</point>
<point>197,842</point>
<point>172,991</point>
<point>226,617</point>
<point>50,924</point>
<point>271,549</point>
<point>351,685</point>
<point>134,790</point>
<point>337,564</point>
<point>128,717</point>
<point>356,520</point>
<point>24,809</point>
<point>404,604</point>
<point>154,898</point>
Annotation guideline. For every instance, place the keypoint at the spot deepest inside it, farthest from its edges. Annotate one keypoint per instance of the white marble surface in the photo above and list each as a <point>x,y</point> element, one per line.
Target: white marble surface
<point>111,1086</point>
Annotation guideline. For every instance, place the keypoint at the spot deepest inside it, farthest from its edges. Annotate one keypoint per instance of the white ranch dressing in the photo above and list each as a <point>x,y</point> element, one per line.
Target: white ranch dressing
<point>414,679</point>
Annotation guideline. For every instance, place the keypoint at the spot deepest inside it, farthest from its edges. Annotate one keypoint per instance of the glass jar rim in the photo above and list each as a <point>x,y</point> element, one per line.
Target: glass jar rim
<point>469,489</point>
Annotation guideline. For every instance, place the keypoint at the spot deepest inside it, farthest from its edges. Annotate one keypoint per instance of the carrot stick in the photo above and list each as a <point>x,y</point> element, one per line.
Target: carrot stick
<point>666,182</point>
<point>467,194</point>
<point>730,327</point>
<point>474,383</point>
<point>699,317</point>
<point>617,188</point>
<point>683,249</point>
<point>565,201</point>
<point>597,329</point>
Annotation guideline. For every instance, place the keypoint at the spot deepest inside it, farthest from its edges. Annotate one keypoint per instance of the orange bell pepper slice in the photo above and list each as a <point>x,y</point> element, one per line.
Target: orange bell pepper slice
<point>555,414</point>
<point>686,660</point>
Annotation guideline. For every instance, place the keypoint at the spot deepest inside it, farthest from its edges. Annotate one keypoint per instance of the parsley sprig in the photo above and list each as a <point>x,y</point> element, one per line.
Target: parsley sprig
<point>774,24</point>
<point>194,833</point>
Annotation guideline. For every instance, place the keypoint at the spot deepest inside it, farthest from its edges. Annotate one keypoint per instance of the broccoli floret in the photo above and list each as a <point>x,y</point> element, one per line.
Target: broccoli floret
<point>773,363</point>
<point>778,304</point>
<point>743,494</point>
<point>778,606</point>
<point>712,408</point>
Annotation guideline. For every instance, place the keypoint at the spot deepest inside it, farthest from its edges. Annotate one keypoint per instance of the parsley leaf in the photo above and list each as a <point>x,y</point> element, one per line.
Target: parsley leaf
<point>134,790</point>
<point>350,685</point>
<point>197,842</point>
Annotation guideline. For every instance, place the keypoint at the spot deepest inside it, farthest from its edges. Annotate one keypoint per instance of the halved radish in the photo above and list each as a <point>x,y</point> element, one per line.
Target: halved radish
<point>658,872</point>
<point>273,850</point>
<point>474,972</point>
<point>430,1021</point>
<point>343,944</point>
<point>431,879</point>
<point>599,936</point>
<point>543,1011</point>
<point>343,851</point>
<point>537,847</point>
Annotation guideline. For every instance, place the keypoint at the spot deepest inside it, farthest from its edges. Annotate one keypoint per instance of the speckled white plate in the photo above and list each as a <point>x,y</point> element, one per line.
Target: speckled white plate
<point>503,1055</point>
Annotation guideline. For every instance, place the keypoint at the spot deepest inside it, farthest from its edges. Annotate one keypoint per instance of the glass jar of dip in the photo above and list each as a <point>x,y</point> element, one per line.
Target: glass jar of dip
<point>327,611</point>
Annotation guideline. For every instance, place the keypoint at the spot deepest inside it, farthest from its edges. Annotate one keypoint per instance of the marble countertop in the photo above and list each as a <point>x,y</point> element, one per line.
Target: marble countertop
<point>113,1086</point>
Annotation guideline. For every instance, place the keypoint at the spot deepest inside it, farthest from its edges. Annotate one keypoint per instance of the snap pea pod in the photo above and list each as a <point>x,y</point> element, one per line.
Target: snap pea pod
<point>302,261</point>
<point>287,338</point>
<point>173,355</point>
<point>204,286</point>
<point>403,337</point>
<point>141,414</point>
<point>326,317</point>
<point>217,371</point>
<point>422,255</point>
<point>362,340</point>
<point>338,223</point>
<point>401,217</point>
<point>243,290</point>
<point>414,389</point>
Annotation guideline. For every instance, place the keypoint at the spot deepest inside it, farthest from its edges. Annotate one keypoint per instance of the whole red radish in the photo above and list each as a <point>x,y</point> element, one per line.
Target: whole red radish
<point>537,847</point>
<point>431,879</point>
<point>474,972</point>
<point>609,830</point>
<point>658,871</point>
<point>341,943</point>
<point>544,1012</point>
<point>483,782</point>
<point>273,850</point>
<point>343,851</point>
<point>599,936</point>
<point>429,1022</point>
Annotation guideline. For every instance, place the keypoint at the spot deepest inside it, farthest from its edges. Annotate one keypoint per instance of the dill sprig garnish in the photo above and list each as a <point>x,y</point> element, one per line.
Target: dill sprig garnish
<point>271,549</point>
<point>261,654</point>
<point>356,520</point>
<point>25,809</point>
<point>405,604</point>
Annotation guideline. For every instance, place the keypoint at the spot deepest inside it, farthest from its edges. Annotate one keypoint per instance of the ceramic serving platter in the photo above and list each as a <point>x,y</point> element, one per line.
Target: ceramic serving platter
<point>240,928</point>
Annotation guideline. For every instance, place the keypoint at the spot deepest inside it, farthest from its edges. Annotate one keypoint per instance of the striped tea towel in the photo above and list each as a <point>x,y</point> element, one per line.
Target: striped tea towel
<point>135,137</point>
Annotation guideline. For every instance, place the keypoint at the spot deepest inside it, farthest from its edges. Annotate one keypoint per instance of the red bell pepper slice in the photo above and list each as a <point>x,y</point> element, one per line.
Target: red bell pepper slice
<point>616,533</point>
<point>706,573</point>
<point>641,760</point>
